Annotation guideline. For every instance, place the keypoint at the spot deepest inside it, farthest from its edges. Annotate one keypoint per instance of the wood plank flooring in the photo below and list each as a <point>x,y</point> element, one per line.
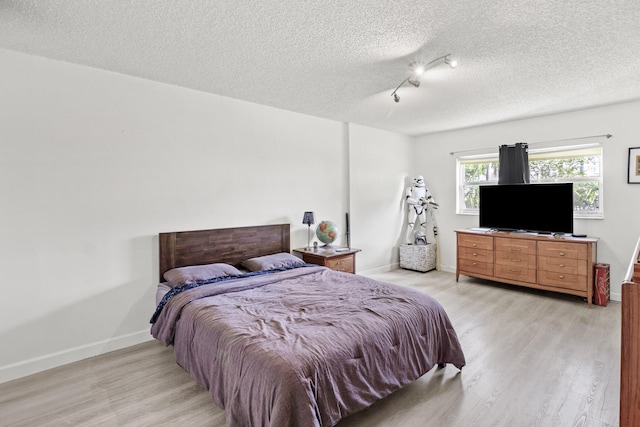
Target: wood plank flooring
<point>533,359</point>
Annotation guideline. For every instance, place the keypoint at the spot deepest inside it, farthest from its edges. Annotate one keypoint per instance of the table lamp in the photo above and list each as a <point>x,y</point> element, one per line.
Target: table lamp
<point>308,219</point>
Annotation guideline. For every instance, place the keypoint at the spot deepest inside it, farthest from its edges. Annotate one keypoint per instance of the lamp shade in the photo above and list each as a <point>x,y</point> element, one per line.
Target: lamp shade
<point>309,218</point>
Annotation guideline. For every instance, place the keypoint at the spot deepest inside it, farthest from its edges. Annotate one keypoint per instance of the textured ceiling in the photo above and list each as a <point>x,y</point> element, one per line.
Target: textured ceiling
<point>341,60</point>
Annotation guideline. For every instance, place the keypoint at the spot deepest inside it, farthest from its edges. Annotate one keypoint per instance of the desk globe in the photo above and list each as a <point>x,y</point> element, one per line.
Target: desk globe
<point>327,232</point>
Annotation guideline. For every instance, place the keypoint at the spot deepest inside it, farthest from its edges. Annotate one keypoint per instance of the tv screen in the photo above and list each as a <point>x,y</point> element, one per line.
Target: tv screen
<point>541,208</point>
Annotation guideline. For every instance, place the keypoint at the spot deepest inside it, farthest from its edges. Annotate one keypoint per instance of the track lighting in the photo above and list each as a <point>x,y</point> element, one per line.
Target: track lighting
<point>417,69</point>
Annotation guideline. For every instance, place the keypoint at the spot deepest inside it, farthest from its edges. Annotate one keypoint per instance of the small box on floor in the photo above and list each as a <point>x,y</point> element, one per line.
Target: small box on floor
<point>601,291</point>
<point>418,257</point>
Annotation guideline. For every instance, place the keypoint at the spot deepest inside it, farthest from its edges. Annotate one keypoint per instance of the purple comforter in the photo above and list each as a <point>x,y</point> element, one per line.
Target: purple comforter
<point>305,347</point>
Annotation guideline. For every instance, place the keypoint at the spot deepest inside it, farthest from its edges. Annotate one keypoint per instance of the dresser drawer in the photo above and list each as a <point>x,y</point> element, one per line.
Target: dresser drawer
<point>475,254</point>
<point>476,267</point>
<point>561,280</point>
<point>345,264</point>
<point>515,259</point>
<point>474,241</point>
<point>339,259</point>
<point>563,265</point>
<point>511,272</point>
<point>562,250</point>
<point>516,246</point>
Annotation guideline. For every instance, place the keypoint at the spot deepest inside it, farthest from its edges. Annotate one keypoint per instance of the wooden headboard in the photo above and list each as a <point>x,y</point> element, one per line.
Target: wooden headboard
<point>228,245</point>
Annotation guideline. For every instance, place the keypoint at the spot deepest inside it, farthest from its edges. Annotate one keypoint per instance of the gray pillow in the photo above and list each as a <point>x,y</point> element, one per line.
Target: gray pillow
<point>198,273</point>
<point>270,262</point>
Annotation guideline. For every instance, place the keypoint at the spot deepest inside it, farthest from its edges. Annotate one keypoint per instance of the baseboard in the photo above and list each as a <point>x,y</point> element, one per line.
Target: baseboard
<point>42,363</point>
<point>448,268</point>
<point>396,266</point>
<point>383,269</point>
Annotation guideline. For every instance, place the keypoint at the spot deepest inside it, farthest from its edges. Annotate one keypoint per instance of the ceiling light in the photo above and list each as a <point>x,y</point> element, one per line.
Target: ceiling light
<point>450,62</point>
<point>417,69</point>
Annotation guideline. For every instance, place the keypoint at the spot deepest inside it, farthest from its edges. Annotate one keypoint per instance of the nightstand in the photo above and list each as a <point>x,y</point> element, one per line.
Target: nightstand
<point>336,258</point>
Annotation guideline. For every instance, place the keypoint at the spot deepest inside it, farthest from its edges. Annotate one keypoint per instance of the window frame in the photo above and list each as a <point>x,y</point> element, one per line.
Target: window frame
<point>546,151</point>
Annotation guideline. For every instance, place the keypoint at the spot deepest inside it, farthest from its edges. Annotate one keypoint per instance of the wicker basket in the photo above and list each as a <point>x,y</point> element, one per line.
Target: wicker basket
<point>418,257</point>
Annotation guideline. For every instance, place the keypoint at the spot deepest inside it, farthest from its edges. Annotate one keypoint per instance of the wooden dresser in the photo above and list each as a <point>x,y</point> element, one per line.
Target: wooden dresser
<point>559,264</point>
<point>339,259</point>
<point>630,345</point>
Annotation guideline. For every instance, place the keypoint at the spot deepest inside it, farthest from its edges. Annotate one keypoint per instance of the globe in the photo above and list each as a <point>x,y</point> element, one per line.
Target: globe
<point>327,232</point>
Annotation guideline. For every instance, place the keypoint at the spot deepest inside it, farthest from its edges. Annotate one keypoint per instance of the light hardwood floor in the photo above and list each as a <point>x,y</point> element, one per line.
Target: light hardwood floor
<point>533,359</point>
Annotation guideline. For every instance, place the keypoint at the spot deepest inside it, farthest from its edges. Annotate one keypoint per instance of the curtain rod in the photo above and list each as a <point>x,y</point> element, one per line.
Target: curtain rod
<point>607,135</point>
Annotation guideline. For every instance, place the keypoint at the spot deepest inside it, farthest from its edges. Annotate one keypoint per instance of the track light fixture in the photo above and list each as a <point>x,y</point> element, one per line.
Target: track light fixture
<point>417,69</point>
<point>415,82</point>
<point>450,62</point>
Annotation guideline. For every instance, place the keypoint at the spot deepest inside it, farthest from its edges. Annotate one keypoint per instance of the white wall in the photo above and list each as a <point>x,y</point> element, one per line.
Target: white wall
<point>379,173</point>
<point>93,165</point>
<point>618,231</point>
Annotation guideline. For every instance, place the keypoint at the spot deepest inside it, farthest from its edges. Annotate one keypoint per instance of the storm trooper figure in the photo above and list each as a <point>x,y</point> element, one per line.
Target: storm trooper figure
<point>419,200</point>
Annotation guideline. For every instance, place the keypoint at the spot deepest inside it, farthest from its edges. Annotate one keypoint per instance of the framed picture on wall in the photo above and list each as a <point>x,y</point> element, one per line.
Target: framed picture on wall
<point>634,166</point>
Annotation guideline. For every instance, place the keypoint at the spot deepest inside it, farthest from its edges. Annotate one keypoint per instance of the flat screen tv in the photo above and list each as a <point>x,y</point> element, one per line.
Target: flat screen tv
<point>540,208</point>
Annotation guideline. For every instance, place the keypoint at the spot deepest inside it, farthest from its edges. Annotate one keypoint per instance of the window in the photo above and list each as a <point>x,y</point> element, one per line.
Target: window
<point>581,165</point>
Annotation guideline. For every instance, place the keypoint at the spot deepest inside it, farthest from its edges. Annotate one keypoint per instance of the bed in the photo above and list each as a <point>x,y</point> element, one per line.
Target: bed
<point>278,342</point>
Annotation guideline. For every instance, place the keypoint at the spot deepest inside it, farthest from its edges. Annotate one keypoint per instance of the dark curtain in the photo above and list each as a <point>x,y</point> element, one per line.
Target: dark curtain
<point>513,163</point>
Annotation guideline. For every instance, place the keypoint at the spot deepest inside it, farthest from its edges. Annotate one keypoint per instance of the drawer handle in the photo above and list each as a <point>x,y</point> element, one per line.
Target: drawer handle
<point>515,260</point>
<point>474,263</point>
<point>514,270</point>
<point>561,277</point>
<point>474,245</point>
<point>561,254</point>
<point>474,254</point>
<point>514,249</point>
<point>561,265</point>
